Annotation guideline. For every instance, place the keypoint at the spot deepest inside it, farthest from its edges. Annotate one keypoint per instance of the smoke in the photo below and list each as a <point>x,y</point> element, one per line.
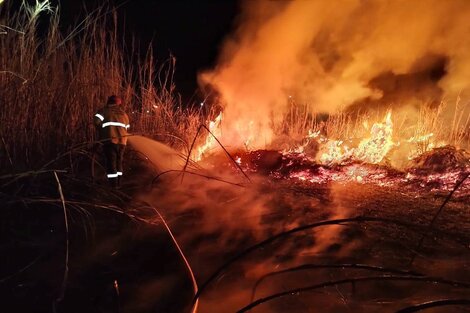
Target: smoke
<point>337,55</point>
<point>161,156</point>
<point>213,220</point>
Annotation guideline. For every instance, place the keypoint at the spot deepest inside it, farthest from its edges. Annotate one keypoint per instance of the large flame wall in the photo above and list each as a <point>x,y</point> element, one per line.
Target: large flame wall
<point>335,55</point>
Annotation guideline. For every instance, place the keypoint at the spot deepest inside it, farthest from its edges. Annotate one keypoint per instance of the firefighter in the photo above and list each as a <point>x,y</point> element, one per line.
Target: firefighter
<point>112,124</point>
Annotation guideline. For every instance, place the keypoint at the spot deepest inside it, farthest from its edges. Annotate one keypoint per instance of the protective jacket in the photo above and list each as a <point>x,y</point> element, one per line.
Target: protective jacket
<point>112,123</point>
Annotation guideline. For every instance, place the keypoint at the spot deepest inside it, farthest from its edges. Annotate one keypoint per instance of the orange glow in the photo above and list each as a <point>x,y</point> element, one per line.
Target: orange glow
<point>375,148</point>
<point>210,142</point>
<point>370,150</point>
<point>422,144</point>
<point>352,56</point>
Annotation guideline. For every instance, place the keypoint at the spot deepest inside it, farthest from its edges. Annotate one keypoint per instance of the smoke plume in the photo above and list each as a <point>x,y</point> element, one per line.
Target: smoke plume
<point>337,55</point>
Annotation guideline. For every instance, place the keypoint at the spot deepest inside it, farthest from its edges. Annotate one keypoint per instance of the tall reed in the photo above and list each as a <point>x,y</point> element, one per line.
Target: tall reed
<point>52,82</point>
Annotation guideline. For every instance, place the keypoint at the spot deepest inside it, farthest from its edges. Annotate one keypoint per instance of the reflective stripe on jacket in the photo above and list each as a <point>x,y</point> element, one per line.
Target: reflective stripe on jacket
<point>112,123</point>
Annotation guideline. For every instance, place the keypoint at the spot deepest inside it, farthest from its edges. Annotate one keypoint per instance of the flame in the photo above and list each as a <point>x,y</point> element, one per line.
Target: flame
<point>370,150</point>
<point>377,144</point>
<point>422,144</point>
<point>335,152</point>
<point>306,141</point>
<point>214,127</point>
<point>374,149</point>
<point>250,136</point>
<point>422,138</point>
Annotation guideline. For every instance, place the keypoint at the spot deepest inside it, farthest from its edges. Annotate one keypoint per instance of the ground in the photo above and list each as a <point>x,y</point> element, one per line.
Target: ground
<point>122,259</point>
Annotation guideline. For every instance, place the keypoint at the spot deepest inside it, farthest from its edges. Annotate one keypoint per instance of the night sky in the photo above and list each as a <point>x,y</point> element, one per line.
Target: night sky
<point>193,31</point>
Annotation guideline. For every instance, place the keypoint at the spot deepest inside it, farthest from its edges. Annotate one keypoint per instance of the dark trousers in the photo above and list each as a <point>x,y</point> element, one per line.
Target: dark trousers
<point>114,154</point>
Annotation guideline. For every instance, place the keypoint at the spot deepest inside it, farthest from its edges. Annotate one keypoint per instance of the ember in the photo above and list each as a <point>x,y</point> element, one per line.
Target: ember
<point>299,167</point>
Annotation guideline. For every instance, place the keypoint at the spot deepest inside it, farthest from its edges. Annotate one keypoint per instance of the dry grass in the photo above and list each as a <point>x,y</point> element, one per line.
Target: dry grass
<point>299,120</point>
<point>420,129</point>
<point>52,84</point>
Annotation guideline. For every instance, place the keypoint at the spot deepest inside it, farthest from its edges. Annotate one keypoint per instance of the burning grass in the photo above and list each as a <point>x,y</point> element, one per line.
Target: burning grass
<point>394,138</point>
